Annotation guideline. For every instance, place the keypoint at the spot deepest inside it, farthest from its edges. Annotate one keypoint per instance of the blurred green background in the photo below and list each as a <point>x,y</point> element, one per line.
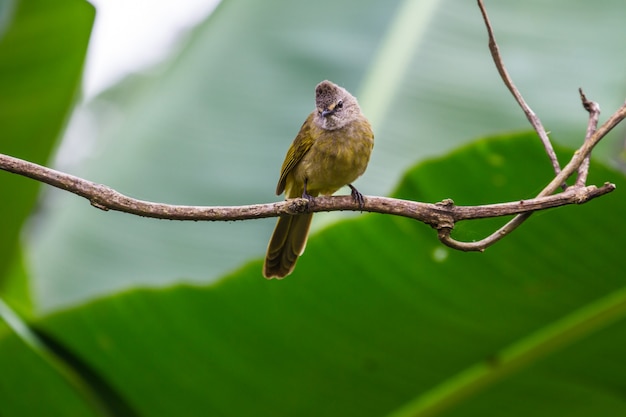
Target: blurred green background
<point>211,126</point>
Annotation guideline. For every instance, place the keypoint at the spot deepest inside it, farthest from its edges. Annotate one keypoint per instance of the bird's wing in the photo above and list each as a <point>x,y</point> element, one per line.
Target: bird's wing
<point>300,146</point>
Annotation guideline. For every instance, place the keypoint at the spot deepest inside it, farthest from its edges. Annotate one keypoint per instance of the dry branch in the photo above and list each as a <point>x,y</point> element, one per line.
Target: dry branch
<point>439,215</point>
<point>530,115</point>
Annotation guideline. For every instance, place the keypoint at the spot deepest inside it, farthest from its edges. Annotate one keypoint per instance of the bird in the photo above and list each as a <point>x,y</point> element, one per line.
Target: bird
<point>331,150</point>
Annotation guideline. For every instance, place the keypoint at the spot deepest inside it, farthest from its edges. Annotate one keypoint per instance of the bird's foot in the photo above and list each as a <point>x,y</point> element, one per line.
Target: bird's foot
<point>308,196</point>
<point>357,196</point>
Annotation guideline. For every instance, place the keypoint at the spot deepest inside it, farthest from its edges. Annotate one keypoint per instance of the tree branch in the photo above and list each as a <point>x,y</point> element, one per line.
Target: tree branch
<point>594,114</point>
<point>530,115</point>
<point>439,215</point>
<point>579,162</point>
<point>574,164</point>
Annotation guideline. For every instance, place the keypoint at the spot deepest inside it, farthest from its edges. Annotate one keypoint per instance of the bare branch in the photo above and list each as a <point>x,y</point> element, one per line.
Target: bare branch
<point>577,159</point>
<point>441,216</point>
<point>530,115</point>
<point>575,195</point>
<point>594,114</point>
<point>585,150</point>
<point>579,162</point>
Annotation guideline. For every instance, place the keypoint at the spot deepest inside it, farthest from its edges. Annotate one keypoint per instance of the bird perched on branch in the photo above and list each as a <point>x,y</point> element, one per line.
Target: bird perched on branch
<point>331,150</point>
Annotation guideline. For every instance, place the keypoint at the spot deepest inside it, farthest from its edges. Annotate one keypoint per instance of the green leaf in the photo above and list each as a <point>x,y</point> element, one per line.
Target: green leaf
<point>42,50</point>
<point>34,382</point>
<point>378,314</point>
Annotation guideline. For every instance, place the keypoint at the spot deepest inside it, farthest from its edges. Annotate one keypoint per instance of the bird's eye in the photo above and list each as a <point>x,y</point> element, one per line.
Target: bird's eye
<point>340,104</point>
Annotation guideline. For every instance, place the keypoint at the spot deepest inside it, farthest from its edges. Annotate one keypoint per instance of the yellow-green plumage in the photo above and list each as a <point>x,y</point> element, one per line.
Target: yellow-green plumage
<point>331,150</point>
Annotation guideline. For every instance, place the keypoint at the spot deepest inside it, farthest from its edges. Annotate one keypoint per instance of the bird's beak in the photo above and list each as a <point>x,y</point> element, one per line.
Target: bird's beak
<point>329,111</point>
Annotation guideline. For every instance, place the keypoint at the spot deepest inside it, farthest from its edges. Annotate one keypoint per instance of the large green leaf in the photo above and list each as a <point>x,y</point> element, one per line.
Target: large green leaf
<point>35,382</point>
<point>211,126</point>
<point>378,314</point>
<point>42,49</point>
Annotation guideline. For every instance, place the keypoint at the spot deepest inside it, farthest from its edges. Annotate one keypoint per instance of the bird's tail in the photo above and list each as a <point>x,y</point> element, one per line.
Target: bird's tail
<point>286,245</point>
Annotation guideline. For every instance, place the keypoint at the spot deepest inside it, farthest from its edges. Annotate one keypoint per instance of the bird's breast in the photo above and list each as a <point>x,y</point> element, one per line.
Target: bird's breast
<point>336,158</point>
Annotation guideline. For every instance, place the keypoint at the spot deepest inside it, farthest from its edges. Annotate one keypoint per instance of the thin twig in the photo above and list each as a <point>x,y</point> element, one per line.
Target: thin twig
<point>530,115</point>
<point>593,109</point>
<point>440,216</point>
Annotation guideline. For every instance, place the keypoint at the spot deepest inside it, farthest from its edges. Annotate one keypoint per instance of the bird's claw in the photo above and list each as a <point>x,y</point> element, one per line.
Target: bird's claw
<point>357,196</point>
<point>308,196</point>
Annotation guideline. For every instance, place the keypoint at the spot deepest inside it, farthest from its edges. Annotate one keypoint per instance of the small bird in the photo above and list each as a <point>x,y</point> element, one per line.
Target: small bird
<point>331,150</point>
